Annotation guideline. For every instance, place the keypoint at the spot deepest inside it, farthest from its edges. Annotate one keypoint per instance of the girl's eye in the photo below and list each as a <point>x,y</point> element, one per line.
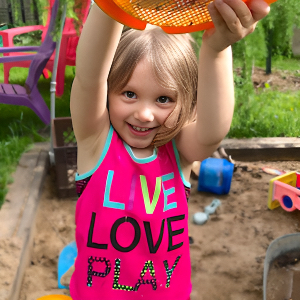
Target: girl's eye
<point>164,99</point>
<point>130,95</point>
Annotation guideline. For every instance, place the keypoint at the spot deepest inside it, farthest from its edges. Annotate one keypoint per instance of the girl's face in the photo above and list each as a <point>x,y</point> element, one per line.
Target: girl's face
<point>138,111</point>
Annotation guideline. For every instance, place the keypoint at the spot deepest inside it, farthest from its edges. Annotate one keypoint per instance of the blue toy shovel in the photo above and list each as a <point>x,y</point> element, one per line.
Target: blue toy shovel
<point>66,261</point>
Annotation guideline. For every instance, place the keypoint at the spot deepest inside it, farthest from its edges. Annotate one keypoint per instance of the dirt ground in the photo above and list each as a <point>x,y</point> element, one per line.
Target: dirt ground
<point>278,80</point>
<point>228,251</point>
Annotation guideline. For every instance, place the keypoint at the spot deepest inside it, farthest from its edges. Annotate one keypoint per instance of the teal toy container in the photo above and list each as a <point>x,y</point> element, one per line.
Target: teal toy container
<point>215,176</point>
<point>2,27</point>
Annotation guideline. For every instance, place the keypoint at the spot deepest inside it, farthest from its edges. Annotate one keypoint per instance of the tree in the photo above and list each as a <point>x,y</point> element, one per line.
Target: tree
<point>278,27</point>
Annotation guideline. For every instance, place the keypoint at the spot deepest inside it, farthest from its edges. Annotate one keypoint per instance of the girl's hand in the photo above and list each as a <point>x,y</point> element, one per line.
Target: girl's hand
<point>233,20</point>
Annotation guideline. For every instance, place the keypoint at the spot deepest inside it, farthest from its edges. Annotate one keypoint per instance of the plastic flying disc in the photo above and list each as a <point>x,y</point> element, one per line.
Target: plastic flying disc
<point>173,16</point>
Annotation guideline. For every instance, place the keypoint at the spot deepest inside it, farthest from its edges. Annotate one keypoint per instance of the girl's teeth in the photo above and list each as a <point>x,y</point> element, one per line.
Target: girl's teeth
<point>140,129</point>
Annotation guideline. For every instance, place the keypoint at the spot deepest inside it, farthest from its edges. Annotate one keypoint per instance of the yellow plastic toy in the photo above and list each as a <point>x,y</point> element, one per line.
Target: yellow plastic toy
<point>284,191</point>
<point>55,297</point>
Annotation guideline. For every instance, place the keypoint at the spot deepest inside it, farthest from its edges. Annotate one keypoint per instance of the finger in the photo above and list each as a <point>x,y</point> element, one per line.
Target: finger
<point>228,15</point>
<point>242,11</point>
<point>259,9</point>
<point>215,15</point>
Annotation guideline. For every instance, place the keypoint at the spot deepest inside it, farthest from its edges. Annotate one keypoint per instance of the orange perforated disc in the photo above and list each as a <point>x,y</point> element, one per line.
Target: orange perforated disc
<point>181,13</point>
<point>173,16</point>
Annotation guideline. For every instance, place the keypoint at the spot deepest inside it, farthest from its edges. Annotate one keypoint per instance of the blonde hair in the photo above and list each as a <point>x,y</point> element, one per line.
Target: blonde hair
<point>174,64</point>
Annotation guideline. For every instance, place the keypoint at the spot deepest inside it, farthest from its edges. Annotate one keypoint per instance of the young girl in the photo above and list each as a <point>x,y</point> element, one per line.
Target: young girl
<point>143,112</point>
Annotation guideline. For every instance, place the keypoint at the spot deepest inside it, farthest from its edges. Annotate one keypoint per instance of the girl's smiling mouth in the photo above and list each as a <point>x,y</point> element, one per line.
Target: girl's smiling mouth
<point>140,130</point>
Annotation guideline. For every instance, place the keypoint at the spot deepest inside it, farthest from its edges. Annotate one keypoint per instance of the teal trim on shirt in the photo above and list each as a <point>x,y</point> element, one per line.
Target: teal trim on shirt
<point>185,182</point>
<point>106,147</point>
<point>140,160</point>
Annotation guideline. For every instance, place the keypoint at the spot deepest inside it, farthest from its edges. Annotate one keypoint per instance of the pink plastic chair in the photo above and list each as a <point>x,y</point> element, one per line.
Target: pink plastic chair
<point>67,54</point>
<point>29,95</point>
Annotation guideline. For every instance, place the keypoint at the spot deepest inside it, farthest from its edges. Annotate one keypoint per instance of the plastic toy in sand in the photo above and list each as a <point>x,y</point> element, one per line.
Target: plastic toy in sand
<point>272,171</point>
<point>284,191</point>
<point>66,260</point>
<point>55,297</point>
<point>215,176</point>
<point>201,218</point>
<point>173,16</point>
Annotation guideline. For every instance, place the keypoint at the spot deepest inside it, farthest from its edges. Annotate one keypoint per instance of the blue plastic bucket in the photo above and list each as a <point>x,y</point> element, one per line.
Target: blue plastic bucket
<point>215,176</point>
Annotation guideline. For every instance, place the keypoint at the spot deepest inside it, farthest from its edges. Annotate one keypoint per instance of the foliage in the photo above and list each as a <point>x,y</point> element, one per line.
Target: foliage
<point>34,38</point>
<point>71,7</point>
<point>10,153</point>
<point>69,137</point>
<point>12,146</point>
<point>279,25</point>
<point>28,39</point>
<point>20,127</point>
<point>250,49</point>
<point>272,36</point>
<point>267,114</point>
<point>197,36</point>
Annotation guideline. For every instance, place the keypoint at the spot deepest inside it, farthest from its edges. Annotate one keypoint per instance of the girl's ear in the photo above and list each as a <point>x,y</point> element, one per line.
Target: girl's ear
<point>172,119</point>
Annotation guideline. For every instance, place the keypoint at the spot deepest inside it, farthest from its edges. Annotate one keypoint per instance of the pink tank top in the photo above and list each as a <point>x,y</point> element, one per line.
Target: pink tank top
<point>132,227</point>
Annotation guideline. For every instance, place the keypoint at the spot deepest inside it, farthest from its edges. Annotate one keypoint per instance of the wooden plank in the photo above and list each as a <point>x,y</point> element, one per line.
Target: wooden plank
<point>26,229</point>
<point>11,211</point>
<point>28,12</point>
<point>269,149</point>
<point>4,12</point>
<point>17,217</point>
<point>4,17</point>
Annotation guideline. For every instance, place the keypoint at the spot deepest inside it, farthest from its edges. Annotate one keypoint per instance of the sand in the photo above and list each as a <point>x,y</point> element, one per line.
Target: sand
<point>227,253</point>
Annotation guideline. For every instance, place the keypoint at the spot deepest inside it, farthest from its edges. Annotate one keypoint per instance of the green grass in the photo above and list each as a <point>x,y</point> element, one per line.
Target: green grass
<point>292,65</point>
<point>10,152</point>
<point>20,127</point>
<point>282,63</point>
<point>12,114</point>
<point>267,114</point>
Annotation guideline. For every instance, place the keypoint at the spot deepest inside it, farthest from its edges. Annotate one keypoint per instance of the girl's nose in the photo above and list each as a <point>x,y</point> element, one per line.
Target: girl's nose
<point>144,114</point>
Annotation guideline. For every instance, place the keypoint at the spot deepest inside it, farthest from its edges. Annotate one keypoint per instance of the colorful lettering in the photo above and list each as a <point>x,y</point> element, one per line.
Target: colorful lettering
<point>90,242</point>
<point>132,192</point>
<point>117,272</point>
<point>168,192</point>
<point>150,207</point>
<point>174,232</point>
<point>92,273</point>
<point>113,234</point>
<point>116,285</point>
<point>107,202</point>
<point>153,248</point>
<point>170,271</point>
<point>148,266</point>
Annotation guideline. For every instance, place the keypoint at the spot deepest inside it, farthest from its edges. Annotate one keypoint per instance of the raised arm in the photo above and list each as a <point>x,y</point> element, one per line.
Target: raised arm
<point>96,49</point>
<point>233,20</point>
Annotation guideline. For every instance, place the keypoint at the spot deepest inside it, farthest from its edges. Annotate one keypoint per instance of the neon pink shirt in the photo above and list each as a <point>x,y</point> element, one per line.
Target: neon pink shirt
<point>132,227</point>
